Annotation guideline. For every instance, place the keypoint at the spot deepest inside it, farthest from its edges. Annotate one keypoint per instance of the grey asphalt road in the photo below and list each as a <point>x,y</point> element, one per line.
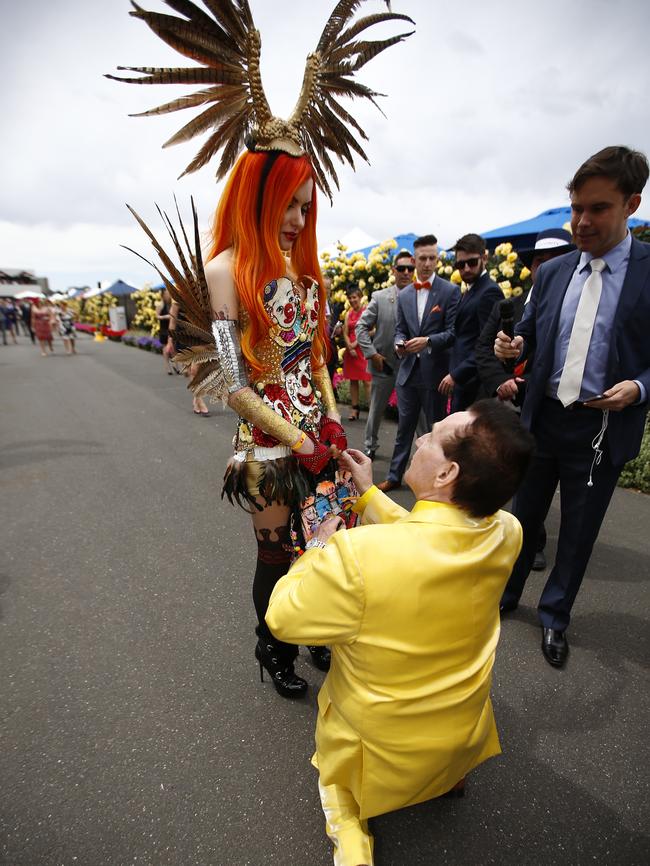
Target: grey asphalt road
<point>133,725</point>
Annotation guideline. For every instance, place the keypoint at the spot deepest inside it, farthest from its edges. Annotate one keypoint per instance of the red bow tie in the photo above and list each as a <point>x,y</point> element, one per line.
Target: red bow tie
<point>425,285</point>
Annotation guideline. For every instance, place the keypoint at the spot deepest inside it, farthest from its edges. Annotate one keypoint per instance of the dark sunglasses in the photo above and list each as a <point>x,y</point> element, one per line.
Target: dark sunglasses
<point>403,268</point>
<point>468,263</point>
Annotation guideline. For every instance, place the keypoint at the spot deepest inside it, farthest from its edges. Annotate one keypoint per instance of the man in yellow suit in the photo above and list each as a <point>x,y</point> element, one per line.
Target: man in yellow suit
<point>409,603</point>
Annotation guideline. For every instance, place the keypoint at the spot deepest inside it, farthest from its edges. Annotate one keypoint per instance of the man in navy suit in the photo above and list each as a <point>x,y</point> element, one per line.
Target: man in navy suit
<point>583,441</point>
<point>424,332</point>
<point>476,304</point>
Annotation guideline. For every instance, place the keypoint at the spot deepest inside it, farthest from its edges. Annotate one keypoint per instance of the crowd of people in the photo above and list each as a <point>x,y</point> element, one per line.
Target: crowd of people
<point>514,398</point>
<point>403,611</point>
<point>39,319</point>
<point>455,361</point>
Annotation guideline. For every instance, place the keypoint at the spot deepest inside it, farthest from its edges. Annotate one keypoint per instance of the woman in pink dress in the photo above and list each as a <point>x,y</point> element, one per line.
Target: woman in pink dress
<point>355,366</point>
<point>42,326</point>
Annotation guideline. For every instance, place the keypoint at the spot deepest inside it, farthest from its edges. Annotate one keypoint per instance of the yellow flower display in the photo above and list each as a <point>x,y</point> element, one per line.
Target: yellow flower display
<point>355,269</point>
<point>95,310</point>
<point>146,301</point>
<point>374,271</point>
<point>506,268</point>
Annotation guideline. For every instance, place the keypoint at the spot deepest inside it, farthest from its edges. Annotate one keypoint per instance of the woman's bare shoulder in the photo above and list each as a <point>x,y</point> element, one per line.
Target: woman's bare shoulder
<point>220,267</point>
<point>221,285</point>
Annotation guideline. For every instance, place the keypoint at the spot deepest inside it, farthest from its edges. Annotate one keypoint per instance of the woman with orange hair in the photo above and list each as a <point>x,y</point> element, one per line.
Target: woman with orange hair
<point>268,306</point>
<point>256,313</point>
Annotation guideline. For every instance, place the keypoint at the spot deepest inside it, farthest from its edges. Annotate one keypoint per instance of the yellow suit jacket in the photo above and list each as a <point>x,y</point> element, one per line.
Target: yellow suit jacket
<point>410,606</point>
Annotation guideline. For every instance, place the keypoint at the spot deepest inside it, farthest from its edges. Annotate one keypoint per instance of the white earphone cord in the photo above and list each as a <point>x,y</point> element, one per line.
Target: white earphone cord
<point>595,444</point>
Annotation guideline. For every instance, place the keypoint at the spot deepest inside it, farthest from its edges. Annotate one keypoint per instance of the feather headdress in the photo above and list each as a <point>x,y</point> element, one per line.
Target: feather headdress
<point>227,46</point>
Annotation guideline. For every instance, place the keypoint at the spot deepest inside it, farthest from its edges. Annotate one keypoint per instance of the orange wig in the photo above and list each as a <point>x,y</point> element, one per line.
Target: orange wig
<point>251,224</point>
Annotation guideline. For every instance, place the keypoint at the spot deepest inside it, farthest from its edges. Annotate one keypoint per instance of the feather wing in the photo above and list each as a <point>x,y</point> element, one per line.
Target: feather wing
<point>188,286</point>
<point>224,42</point>
<point>186,282</point>
<point>337,57</point>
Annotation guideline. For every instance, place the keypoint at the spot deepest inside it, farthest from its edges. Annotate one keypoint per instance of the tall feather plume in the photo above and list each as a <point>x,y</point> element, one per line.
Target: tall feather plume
<point>227,45</point>
<point>339,56</point>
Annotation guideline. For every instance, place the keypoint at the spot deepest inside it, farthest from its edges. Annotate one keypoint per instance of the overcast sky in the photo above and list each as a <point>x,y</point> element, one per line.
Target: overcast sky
<point>489,112</point>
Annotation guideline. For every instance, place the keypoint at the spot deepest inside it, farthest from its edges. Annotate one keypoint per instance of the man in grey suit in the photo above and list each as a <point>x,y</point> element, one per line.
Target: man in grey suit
<point>380,317</point>
<point>424,332</point>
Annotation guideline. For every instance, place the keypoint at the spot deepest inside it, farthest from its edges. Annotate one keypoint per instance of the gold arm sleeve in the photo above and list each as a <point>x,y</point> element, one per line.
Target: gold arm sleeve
<point>251,407</point>
<point>323,383</point>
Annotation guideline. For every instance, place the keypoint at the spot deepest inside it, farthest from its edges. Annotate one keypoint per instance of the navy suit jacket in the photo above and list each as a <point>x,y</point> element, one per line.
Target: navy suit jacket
<point>437,324</point>
<point>629,351</point>
<point>472,314</point>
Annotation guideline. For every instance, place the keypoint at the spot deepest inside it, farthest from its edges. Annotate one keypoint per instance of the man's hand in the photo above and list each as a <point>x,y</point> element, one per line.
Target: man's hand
<point>377,361</point>
<point>447,385</point>
<point>617,397</point>
<point>359,466</point>
<point>509,389</point>
<point>328,527</point>
<point>505,348</point>
<point>415,345</point>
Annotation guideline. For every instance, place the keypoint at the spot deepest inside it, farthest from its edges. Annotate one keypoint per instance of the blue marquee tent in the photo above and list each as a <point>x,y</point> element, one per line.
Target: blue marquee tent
<point>403,242</point>
<point>522,235</point>
<point>120,289</point>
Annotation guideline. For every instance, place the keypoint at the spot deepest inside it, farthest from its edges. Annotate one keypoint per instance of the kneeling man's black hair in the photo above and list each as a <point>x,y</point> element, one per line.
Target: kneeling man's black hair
<point>493,453</point>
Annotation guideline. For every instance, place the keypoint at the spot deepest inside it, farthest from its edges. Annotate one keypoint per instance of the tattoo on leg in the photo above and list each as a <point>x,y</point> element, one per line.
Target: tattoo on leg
<point>273,545</point>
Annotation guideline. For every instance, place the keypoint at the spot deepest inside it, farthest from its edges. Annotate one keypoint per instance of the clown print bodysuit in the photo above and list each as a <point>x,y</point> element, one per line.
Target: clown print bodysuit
<point>286,385</point>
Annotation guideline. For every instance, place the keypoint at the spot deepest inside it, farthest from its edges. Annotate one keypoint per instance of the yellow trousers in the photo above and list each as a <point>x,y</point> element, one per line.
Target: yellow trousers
<point>350,836</point>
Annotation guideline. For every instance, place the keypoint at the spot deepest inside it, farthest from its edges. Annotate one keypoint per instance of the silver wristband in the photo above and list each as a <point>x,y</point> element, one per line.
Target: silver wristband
<point>314,542</point>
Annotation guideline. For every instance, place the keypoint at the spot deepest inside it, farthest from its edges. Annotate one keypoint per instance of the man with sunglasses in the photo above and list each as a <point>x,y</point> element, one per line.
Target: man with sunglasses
<point>476,304</point>
<point>424,332</point>
<point>496,380</point>
<point>379,349</point>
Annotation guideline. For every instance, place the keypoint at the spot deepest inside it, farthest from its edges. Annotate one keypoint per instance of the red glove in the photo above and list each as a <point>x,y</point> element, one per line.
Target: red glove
<point>331,433</point>
<point>316,461</point>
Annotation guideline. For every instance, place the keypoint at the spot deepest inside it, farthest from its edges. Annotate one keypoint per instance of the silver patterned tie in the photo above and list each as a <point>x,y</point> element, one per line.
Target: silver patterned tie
<point>583,325</point>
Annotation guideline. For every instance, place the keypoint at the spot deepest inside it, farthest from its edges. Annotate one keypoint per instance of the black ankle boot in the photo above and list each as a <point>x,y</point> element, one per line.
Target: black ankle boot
<point>321,657</point>
<point>280,667</point>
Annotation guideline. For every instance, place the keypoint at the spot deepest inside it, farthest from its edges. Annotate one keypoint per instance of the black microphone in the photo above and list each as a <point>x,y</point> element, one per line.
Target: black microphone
<point>507,313</point>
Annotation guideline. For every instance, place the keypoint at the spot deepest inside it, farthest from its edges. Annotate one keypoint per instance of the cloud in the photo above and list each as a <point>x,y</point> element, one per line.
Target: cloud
<point>487,116</point>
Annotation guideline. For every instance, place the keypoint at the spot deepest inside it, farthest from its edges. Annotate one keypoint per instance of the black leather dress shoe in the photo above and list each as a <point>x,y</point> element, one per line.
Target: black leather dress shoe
<point>369,452</point>
<point>555,647</point>
<point>539,563</point>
